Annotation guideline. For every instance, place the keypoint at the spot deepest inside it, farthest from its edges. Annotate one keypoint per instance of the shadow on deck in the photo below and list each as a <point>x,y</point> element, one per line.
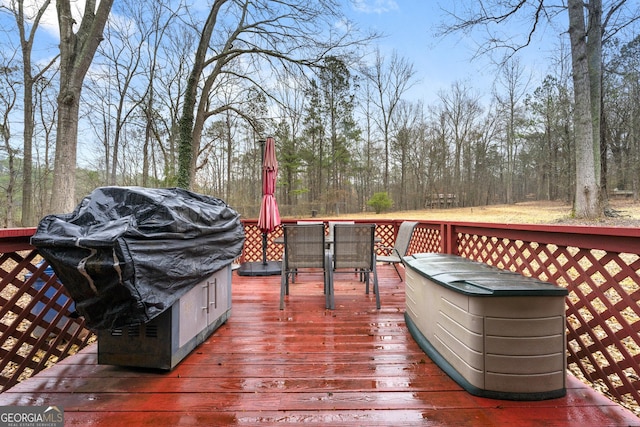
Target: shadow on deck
<point>351,366</point>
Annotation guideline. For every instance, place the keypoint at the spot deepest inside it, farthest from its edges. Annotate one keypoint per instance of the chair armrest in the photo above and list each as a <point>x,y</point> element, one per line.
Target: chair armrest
<point>387,250</point>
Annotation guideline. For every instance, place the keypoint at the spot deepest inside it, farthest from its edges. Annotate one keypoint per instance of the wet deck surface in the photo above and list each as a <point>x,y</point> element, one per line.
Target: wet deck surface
<point>355,366</point>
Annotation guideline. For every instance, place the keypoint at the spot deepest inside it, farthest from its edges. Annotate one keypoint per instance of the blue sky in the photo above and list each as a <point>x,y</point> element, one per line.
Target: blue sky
<point>410,26</point>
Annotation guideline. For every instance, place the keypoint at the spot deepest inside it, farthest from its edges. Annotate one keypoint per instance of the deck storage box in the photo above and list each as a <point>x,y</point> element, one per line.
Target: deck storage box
<point>497,333</point>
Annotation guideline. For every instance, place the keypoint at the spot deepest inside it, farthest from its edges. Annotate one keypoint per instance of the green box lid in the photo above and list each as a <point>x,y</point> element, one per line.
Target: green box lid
<point>478,279</point>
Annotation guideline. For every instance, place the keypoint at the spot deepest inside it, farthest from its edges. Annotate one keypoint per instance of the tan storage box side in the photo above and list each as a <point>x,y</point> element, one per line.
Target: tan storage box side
<point>529,327</point>
<point>469,363</point>
<point>521,346</point>
<point>517,307</point>
<point>509,383</point>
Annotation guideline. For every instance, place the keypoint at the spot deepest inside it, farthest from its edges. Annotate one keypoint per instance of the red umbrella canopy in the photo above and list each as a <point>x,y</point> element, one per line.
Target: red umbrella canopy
<point>269,217</point>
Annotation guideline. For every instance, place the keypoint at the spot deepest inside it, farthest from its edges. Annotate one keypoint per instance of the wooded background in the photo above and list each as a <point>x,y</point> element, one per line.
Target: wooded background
<point>343,122</point>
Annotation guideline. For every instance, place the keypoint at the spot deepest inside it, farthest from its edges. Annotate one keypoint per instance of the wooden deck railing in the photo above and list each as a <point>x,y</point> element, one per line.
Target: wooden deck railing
<point>600,267</point>
<point>37,327</point>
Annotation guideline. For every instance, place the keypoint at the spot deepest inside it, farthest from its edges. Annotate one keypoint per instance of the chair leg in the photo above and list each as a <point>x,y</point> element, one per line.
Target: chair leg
<point>366,281</point>
<point>375,286</point>
<point>328,282</point>
<point>395,265</point>
<point>284,288</point>
<point>286,282</point>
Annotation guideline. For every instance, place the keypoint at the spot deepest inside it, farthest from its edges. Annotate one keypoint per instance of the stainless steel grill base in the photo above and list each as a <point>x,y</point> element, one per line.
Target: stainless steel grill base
<point>167,339</point>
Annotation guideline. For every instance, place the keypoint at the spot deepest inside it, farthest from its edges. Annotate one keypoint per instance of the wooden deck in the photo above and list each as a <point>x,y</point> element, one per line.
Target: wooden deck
<point>354,366</point>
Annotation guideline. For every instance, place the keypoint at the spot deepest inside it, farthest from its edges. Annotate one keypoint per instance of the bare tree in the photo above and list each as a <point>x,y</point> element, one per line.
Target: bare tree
<point>369,155</point>
<point>588,203</point>
<point>263,35</point>
<point>168,92</point>
<point>404,140</point>
<point>122,49</point>
<point>186,145</point>
<point>461,114</point>
<point>45,117</point>
<point>27,27</point>
<point>288,135</point>
<point>8,96</point>
<point>77,49</point>
<point>158,25</point>
<point>586,32</point>
<point>514,87</point>
<point>622,131</point>
<point>124,89</point>
<point>391,81</point>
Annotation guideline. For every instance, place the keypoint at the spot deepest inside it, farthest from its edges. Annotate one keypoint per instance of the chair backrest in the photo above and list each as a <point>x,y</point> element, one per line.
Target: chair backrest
<point>353,246</point>
<point>306,222</point>
<point>403,239</point>
<point>333,223</point>
<point>303,246</point>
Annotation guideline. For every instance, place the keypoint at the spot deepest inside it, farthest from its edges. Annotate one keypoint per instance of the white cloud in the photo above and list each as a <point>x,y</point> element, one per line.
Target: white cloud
<point>49,21</point>
<point>375,6</point>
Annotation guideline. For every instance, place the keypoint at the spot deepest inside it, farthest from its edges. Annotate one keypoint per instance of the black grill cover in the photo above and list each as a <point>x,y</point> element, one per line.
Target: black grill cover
<point>126,254</point>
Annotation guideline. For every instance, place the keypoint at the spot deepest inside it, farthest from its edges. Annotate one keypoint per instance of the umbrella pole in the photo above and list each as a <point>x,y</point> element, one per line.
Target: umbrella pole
<point>264,248</point>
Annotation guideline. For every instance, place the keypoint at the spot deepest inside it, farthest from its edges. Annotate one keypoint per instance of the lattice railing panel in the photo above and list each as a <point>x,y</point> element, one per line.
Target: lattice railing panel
<point>252,250</point>
<point>603,315</point>
<point>386,232</point>
<point>603,320</point>
<point>425,239</point>
<point>36,326</point>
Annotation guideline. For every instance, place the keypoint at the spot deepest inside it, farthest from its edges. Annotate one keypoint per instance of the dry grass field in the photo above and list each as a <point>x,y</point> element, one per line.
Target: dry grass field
<point>539,212</point>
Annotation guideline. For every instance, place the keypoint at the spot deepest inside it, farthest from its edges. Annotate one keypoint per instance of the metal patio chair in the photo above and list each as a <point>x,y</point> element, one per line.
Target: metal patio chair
<point>304,247</point>
<point>354,251</point>
<point>394,254</point>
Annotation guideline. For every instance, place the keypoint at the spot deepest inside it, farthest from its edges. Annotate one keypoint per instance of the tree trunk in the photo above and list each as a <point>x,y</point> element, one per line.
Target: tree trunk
<point>27,35</point>
<point>185,127</point>
<point>9,186</point>
<point>594,57</point>
<point>76,54</point>
<point>28,218</point>
<point>587,197</point>
<point>64,176</point>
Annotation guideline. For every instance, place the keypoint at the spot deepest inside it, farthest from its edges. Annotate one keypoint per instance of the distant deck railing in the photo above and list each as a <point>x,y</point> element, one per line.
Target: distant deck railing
<point>600,266</point>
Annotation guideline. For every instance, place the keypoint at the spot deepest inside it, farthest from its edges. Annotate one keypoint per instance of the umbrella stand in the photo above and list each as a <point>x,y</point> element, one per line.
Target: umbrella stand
<point>263,268</point>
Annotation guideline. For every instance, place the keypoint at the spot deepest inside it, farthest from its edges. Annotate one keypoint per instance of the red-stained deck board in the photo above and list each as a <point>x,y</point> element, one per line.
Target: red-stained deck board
<point>351,366</point>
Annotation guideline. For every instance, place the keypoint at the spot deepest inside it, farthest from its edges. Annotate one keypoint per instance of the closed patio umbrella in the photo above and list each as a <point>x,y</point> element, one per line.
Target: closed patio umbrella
<point>269,217</point>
